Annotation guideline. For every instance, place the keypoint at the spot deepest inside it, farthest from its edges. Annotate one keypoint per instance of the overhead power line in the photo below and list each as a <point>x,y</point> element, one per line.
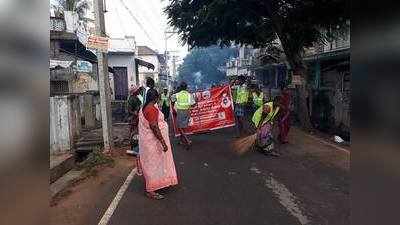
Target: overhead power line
<point>120,20</point>
<point>147,15</point>
<point>138,23</point>
<point>122,26</point>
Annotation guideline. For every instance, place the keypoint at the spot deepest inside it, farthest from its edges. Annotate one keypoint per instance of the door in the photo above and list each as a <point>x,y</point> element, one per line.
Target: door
<point>121,83</point>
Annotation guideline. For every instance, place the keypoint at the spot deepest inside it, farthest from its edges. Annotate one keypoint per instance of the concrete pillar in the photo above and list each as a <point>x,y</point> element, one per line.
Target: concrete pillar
<point>89,111</point>
<point>60,138</point>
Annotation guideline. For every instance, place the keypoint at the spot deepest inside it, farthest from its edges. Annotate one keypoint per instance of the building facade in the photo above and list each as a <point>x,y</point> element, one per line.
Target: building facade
<point>330,79</point>
<point>149,55</point>
<point>121,57</point>
<point>261,70</point>
<point>73,85</point>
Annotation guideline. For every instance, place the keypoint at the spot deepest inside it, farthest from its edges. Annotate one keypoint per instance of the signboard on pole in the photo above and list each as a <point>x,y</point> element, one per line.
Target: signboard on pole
<point>98,43</point>
<point>214,110</point>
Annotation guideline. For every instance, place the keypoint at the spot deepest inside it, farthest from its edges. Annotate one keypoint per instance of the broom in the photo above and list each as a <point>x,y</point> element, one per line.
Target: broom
<point>244,144</point>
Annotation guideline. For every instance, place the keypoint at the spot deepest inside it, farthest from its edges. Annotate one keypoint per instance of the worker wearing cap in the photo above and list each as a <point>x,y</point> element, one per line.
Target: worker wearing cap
<point>182,101</point>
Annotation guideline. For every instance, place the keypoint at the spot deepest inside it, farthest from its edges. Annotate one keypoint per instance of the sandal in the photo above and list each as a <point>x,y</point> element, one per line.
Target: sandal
<point>154,195</point>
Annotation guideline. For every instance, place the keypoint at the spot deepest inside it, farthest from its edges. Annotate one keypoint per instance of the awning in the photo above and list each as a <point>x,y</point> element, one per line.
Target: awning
<point>60,65</point>
<point>68,46</point>
<point>144,63</point>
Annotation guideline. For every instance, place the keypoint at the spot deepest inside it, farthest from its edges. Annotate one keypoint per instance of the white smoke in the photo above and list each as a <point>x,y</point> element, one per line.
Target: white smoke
<point>197,77</point>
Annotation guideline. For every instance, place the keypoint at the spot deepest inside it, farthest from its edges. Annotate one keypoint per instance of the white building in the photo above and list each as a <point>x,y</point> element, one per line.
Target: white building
<point>121,57</point>
<point>149,55</point>
<point>240,65</point>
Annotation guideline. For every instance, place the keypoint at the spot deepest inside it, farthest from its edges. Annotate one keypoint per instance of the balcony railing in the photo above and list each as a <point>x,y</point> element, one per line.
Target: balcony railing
<point>332,46</point>
<point>57,24</point>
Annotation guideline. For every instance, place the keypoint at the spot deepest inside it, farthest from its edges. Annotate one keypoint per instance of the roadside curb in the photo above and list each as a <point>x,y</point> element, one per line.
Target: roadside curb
<point>64,182</point>
<point>326,142</point>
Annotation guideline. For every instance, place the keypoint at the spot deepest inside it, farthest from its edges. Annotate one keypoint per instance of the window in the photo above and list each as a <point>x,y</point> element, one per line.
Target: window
<point>58,87</point>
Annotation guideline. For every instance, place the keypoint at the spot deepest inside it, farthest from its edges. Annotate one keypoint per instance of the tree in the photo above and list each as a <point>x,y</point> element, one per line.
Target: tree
<point>297,24</point>
<point>202,65</point>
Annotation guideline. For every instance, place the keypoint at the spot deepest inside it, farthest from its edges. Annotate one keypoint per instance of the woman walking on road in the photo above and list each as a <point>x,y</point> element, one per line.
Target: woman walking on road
<point>284,122</point>
<point>156,157</point>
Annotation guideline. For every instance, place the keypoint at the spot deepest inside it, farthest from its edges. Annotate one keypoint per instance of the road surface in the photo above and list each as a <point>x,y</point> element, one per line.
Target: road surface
<point>308,184</point>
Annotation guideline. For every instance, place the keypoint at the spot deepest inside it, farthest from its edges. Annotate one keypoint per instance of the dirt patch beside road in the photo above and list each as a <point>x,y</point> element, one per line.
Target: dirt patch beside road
<point>85,201</point>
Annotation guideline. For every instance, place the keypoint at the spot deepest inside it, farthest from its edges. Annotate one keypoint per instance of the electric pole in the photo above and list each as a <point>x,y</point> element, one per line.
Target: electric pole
<point>104,85</point>
<point>174,66</point>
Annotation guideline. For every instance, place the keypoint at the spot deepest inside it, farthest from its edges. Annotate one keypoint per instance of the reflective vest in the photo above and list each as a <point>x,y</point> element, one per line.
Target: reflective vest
<point>271,115</point>
<point>242,95</point>
<point>258,100</point>
<point>183,100</point>
<point>164,100</point>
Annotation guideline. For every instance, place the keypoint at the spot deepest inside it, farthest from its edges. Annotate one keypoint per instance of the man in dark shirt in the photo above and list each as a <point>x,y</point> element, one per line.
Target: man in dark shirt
<point>133,105</point>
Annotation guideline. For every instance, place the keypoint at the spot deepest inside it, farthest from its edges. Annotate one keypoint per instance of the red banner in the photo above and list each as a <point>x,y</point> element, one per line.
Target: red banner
<point>213,110</point>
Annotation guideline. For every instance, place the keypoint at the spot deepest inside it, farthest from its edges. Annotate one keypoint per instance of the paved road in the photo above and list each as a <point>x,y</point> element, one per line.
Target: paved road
<point>304,186</point>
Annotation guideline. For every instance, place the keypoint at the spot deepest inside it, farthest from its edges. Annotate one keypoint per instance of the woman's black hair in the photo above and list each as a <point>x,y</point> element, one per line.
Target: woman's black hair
<point>152,95</point>
<point>150,82</point>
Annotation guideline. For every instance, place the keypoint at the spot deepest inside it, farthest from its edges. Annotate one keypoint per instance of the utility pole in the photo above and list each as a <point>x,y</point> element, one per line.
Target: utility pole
<point>174,66</point>
<point>104,85</point>
<point>166,37</point>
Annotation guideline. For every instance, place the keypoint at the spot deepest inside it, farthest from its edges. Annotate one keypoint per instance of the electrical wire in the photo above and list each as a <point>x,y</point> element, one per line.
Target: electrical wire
<point>122,26</point>
<point>120,20</point>
<point>148,15</point>
<point>138,23</point>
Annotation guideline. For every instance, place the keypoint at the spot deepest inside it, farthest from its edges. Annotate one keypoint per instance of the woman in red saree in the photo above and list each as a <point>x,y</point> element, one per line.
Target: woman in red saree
<point>284,122</point>
<point>156,159</point>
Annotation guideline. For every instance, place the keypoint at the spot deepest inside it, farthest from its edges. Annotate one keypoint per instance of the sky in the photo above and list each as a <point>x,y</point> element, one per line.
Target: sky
<point>143,19</point>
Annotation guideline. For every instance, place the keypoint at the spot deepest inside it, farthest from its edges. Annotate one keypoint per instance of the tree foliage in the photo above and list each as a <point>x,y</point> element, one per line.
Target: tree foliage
<point>202,66</point>
<point>296,23</point>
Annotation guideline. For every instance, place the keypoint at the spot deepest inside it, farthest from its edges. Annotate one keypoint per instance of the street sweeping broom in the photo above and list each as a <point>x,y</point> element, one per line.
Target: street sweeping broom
<point>262,139</point>
<point>244,144</point>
